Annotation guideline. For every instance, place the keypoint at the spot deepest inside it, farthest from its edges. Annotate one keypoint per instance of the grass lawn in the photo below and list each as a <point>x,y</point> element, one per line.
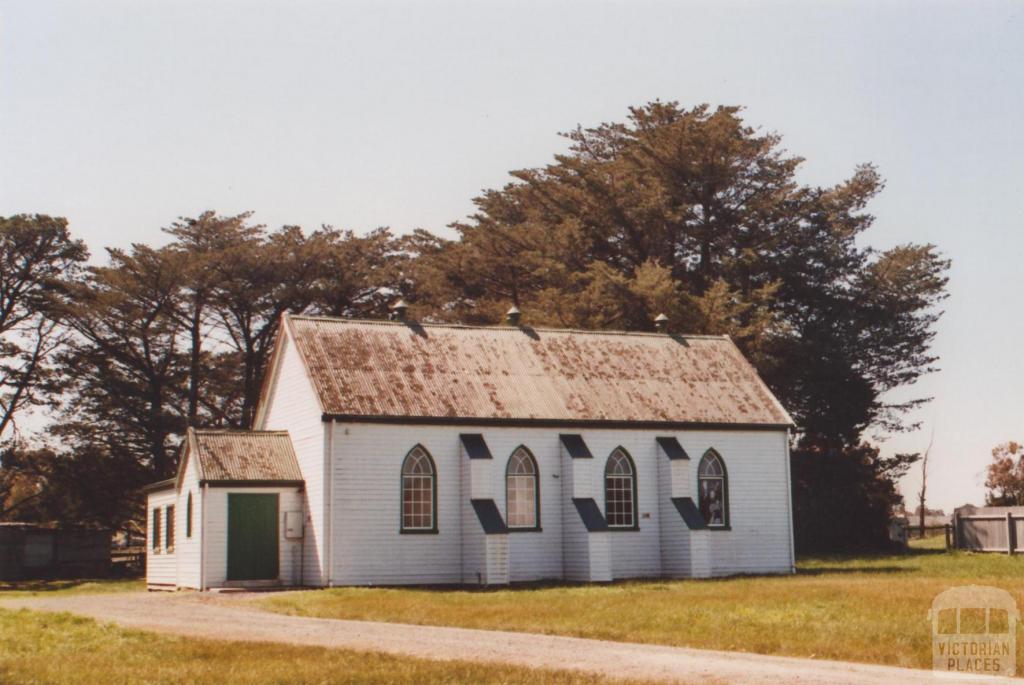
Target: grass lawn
<point>30,588</point>
<point>60,649</point>
<point>932,542</point>
<point>870,609</point>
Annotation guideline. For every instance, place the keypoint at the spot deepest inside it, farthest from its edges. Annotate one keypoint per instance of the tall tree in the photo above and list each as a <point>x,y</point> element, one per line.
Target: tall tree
<point>695,213</point>
<point>922,493</point>
<point>260,280</point>
<point>38,259</point>
<point>207,244</point>
<point>1005,475</point>
<point>126,361</point>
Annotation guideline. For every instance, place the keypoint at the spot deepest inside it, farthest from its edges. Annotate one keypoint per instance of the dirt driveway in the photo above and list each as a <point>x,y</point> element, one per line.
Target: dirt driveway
<point>222,618</point>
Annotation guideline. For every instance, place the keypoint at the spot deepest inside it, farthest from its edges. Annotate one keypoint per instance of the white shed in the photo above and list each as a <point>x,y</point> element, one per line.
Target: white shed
<point>232,516</point>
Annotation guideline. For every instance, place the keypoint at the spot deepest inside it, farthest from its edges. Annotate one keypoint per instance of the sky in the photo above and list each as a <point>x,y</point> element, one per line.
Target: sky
<point>123,116</point>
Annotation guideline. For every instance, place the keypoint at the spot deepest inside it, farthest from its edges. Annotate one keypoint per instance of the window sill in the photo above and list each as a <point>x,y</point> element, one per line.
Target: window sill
<point>715,528</point>
<point>424,531</point>
<point>535,529</point>
<point>623,529</point>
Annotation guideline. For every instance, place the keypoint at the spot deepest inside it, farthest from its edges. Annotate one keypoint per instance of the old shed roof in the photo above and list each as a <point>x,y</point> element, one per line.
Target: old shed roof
<point>242,456</point>
<point>404,370</point>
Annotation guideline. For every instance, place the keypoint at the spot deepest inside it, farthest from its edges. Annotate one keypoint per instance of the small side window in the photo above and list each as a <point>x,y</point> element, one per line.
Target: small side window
<point>188,516</point>
<point>169,543</point>
<point>156,530</point>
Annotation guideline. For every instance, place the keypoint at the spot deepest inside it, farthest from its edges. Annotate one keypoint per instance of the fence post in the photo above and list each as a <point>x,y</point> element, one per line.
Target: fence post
<point>1011,533</point>
<point>947,529</point>
<point>956,530</point>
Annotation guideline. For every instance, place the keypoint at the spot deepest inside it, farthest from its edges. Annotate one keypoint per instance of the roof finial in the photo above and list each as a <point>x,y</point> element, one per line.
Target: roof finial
<point>399,309</point>
<point>512,315</point>
<point>661,323</point>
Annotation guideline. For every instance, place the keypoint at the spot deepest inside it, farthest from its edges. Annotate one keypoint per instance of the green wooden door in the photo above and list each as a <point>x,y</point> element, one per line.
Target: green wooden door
<point>252,537</point>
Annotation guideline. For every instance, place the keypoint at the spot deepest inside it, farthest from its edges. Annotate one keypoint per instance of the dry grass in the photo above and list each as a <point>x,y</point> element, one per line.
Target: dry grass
<point>932,542</point>
<point>33,588</point>
<point>59,649</point>
<point>870,609</point>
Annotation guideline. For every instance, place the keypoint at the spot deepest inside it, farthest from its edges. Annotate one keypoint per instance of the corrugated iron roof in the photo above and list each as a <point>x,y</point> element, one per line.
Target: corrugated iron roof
<point>380,369</point>
<point>243,455</point>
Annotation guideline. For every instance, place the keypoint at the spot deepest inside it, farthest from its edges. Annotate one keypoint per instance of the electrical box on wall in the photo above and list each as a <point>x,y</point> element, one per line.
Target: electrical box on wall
<point>292,524</point>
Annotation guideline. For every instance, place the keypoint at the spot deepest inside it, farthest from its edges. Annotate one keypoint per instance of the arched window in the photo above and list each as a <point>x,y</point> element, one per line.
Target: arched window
<point>620,490</point>
<point>522,491</point>
<point>713,489</point>
<point>419,492</point>
<point>188,515</point>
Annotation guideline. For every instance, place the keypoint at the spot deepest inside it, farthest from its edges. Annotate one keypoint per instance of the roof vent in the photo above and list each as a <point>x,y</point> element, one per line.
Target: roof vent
<point>513,315</point>
<point>661,323</point>
<point>399,309</point>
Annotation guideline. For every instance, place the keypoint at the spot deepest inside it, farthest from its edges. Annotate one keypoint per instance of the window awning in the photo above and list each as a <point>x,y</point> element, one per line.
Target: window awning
<point>489,516</point>
<point>575,445</point>
<point>673,450</point>
<point>691,515</point>
<point>476,447</point>
<point>590,514</point>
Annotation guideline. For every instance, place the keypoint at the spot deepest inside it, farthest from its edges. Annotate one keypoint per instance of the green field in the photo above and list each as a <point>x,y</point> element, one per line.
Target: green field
<point>870,609</point>
<point>60,649</point>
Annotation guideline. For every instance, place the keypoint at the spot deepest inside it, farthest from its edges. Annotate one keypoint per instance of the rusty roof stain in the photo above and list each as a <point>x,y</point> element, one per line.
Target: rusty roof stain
<point>223,455</point>
<point>379,369</point>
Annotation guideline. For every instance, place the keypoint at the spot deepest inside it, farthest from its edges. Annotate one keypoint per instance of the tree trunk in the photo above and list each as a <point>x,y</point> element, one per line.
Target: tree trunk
<point>195,357</point>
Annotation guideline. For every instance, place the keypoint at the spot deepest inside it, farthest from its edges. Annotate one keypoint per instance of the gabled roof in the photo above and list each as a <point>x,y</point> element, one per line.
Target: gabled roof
<point>383,370</point>
<point>223,456</point>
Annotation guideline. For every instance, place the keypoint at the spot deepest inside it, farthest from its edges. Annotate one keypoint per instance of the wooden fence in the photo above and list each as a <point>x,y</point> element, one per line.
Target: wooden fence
<point>989,532</point>
<point>29,552</point>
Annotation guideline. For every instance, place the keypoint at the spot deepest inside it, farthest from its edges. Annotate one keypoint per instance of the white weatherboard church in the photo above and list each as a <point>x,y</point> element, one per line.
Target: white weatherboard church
<point>398,452</point>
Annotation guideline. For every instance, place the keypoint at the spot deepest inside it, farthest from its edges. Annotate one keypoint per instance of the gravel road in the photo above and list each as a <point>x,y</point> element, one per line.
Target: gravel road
<point>230,618</point>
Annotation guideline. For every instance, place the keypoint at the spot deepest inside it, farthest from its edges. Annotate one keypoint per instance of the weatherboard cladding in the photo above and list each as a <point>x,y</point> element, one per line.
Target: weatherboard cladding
<point>245,456</point>
<point>378,369</point>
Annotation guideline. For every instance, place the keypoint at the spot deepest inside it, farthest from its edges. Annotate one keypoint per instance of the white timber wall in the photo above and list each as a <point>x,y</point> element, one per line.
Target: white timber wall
<point>293,406</point>
<point>532,555</point>
<point>586,554</point>
<point>473,541</point>
<point>161,563</point>
<point>188,549</point>
<point>368,547</point>
<point>216,538</point>
<point>757,464</point>
<point>634,553</point>
<point>673,481</point>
